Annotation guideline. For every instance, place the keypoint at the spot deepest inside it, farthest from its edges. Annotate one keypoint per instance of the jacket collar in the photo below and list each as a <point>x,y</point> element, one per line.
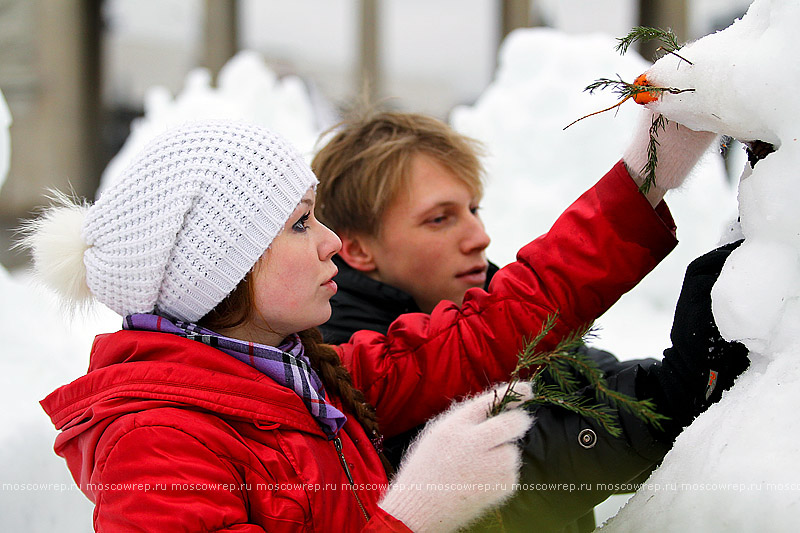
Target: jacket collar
<point>363,303</point>
<point>380,293</point>
<point>132,369</point>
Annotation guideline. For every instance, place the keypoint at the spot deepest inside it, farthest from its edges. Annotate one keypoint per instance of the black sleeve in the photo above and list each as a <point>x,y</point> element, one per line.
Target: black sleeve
<point>700,364</point>
<point>570,464</point>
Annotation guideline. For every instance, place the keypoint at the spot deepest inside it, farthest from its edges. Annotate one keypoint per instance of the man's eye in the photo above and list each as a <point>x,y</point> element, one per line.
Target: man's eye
<point>474,209</point>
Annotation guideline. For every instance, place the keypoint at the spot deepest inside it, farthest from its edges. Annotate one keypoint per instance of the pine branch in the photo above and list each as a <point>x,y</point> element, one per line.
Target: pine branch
<point>559,363</point>
<point>644,33</point>
<point>625,91</point>
<point>641,33</point>
<point>565,364</point>
<point>552,395</point>
<point>527,358</point>
<point>629,90</point>
<point>649,170</point>
<point>644,410</point>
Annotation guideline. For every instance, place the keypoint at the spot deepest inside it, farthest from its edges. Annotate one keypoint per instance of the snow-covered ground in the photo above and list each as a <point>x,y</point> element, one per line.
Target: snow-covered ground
<point>535,170</point>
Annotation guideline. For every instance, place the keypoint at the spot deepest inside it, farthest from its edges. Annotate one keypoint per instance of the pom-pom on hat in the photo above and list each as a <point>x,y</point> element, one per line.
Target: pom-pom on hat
<point>190,217</point>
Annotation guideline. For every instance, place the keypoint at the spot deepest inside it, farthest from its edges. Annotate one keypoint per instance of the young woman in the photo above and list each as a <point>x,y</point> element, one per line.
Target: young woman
<point>217,407</point>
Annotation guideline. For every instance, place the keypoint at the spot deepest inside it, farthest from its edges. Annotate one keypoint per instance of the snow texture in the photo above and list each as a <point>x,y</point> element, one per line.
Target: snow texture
<point>737,467</point>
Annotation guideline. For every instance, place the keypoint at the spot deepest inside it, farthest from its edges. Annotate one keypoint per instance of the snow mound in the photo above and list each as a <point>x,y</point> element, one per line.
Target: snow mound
<point>42,350</point>
<point>736,467</point>
<point>247,89</point>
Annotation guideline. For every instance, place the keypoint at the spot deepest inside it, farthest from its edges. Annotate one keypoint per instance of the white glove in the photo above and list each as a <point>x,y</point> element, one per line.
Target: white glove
<point>679,149</point>
<point>462,464</point>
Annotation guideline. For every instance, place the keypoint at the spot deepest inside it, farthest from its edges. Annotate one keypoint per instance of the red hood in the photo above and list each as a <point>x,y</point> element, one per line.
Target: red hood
<point>133,370</point>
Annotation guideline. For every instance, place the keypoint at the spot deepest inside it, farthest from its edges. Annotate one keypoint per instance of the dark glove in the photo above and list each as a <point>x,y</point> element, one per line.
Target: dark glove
<point>700,365</point>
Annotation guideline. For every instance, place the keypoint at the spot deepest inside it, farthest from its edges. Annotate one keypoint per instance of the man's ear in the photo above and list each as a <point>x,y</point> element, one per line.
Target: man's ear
<point>357,252</point>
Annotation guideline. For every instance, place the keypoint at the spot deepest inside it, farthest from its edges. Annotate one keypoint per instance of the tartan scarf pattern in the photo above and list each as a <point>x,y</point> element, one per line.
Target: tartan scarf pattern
<point>286,364</point>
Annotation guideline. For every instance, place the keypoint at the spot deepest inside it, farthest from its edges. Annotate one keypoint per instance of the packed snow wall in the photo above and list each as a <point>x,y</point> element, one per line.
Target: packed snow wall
<point>737,467</point>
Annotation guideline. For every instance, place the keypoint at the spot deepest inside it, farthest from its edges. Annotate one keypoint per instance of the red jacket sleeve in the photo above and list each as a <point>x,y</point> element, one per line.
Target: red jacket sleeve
<point>598,249</point>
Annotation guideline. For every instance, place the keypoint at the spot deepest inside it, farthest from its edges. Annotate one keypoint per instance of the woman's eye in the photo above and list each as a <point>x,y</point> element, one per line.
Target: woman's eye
<point>300,225</point>
<point>474,209</point>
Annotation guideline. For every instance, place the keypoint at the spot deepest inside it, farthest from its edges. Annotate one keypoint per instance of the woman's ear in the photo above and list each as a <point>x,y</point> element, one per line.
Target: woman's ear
<point>357,252</point>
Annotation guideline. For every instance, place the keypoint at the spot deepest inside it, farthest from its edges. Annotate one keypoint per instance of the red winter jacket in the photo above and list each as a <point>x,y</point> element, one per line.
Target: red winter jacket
<point>168,434</point>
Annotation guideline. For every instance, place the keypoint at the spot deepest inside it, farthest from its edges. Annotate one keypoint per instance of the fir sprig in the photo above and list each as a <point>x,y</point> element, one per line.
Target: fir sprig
<point>564,365</point>
<point>642,409</point>
<point>526,358</point>
<point>625,91</point>
<point>648,172</point>
<point>642,33</point>
<point>552,395</point>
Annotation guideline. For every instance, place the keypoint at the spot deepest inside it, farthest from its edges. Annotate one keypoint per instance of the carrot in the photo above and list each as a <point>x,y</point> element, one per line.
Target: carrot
<point>644,97</point>
<point>640,97</point>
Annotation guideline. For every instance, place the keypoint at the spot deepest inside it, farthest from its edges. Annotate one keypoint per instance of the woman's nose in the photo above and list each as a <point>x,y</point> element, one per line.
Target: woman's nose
<point>330,243</point>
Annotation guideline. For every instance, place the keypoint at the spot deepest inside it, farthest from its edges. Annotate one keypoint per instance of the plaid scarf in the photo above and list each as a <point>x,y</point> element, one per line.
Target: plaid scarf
<point>286,364</point>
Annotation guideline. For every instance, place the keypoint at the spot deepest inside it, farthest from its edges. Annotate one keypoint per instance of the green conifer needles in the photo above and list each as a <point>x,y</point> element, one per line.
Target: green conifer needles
<point>566,377</point>
<point>641,91</point>
<point>643,33</point>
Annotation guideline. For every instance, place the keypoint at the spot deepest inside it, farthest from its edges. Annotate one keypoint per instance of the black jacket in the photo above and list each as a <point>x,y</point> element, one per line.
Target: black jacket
<point>364,303</point>
<point>570,464</point>
<point>552,453</point>
<point>575,465</point>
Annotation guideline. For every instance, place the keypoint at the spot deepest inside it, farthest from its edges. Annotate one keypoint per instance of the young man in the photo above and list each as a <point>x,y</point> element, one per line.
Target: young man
<point>403,191</point>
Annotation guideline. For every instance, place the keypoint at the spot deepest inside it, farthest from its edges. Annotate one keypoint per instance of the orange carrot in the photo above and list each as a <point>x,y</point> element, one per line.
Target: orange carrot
<point>644,97</point>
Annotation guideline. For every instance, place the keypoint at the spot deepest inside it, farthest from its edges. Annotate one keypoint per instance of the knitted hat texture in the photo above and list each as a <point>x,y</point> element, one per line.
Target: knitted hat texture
<point>190,217</point>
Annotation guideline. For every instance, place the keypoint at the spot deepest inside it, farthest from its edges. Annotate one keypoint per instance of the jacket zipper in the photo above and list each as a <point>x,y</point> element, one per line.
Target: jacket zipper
<point>337,442</point>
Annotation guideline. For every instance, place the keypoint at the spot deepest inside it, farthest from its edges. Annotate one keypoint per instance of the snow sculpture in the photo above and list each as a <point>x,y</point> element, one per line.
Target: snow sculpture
<point>736,468</point>
<point>740,90</point>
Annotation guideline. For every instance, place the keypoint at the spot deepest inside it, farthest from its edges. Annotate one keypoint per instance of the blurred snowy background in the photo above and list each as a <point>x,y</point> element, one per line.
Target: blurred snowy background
<point>516,101</point>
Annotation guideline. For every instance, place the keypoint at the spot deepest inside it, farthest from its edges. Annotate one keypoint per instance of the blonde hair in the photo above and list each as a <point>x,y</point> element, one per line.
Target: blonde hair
<point>367,161</point>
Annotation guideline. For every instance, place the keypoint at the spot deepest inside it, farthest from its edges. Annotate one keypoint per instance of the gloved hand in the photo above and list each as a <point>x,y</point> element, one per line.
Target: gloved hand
<point>462,464</point>
<point>700,365</point>
<point>679,148</point>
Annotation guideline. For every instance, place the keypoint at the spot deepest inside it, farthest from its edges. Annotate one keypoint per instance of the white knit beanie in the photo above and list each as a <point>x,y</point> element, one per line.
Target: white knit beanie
<point>190,217</point>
